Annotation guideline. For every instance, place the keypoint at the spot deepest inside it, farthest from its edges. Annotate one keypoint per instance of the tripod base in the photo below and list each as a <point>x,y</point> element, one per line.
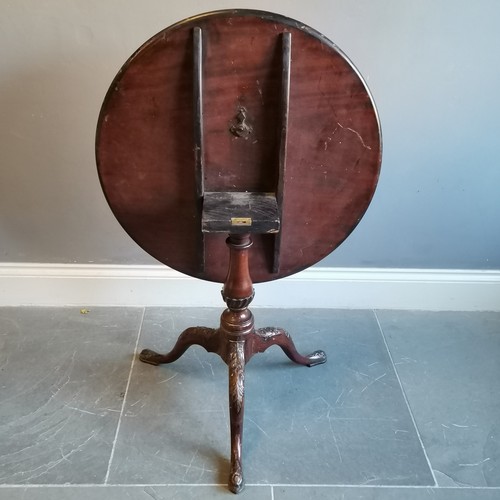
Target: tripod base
<point>235,341</point>
<point>236,350</point>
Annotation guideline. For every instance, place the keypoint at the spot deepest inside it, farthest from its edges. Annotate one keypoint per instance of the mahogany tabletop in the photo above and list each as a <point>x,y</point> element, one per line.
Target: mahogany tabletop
<point>146,143</point>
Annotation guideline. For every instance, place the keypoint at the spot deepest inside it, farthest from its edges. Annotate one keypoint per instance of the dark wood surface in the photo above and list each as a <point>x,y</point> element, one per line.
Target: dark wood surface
<point>147,133</point>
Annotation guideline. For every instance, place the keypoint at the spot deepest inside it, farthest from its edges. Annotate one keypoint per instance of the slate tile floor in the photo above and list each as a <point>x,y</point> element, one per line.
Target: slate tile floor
<point>407,407</point>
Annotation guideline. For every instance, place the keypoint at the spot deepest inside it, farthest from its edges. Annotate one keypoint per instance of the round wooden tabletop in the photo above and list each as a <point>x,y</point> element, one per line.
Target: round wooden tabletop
<point>147,147</point>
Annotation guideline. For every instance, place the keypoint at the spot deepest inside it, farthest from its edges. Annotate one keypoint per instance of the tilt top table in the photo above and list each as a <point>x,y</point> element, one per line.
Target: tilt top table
<point>245,130</point>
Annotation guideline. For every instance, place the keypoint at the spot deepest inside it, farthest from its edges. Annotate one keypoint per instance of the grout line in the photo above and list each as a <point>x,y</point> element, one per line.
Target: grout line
<point>256,485</point>
<point>406,399</point>
<point>106,478</point>
<point>379,486</point>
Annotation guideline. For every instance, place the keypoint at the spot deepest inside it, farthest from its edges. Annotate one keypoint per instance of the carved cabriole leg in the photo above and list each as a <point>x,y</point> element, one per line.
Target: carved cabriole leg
<point>199,335</point>
<point>236,364</point>
<point>263,338</point>
<point>236,326</point>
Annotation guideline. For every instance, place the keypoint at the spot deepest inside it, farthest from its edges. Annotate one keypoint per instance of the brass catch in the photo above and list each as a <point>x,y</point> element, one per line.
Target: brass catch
<point>241,221</point>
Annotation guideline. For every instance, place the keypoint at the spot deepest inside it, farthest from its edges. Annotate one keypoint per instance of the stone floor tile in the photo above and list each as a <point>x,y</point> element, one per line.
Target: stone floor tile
<point>449,365</point>
<point>63,377</point>
<point>345,422</point>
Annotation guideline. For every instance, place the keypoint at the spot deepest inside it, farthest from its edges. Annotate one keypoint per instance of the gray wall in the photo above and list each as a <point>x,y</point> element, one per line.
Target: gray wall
<point>433,68</point>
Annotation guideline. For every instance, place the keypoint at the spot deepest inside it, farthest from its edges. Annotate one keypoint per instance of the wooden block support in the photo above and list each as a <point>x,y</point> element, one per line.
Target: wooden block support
<point>240,212</point>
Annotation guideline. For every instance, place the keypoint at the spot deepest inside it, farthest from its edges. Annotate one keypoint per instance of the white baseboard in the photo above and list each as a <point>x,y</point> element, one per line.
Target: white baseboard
<point>156,285</point>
